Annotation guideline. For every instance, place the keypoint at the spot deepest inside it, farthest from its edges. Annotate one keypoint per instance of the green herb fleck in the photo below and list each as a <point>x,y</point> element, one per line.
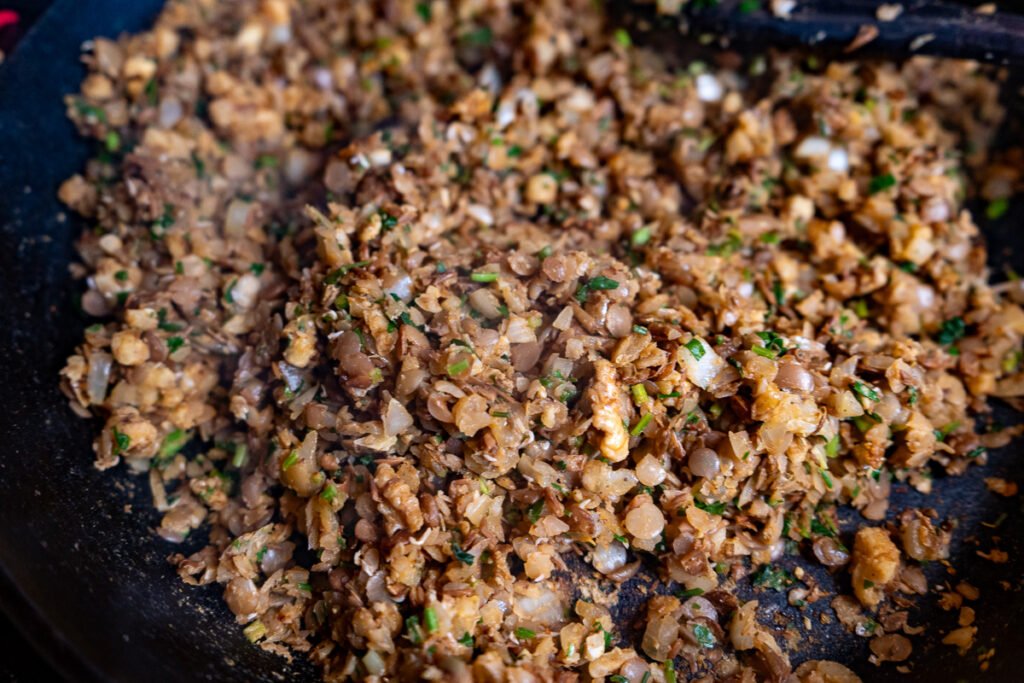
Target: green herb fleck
<point>696,348</point>
<point>704,637</point>
<point>641,236</point>
<point>461,555</point>
<point>173,443</point>
<point>997,208</point>
<point>951,331</point>
<point>774,578</point>
<point>329,492</point>
<point>479,37</point>
<point>121,442</point>
<point>866,391</point>
<point>412,627</point>
<point>641,425</point>
<point>710,508</point>
<point>430,619</point>
<point>595,284</point>
<point>881,182</point>
<point>458,368</point>
<point>534,512</point>
<point>292,458</point>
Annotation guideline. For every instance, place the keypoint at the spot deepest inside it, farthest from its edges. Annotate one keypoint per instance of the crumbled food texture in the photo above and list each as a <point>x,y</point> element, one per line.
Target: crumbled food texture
<point>889,11</point>
<point>456,294</point>
<point>875,562</point>
<point>1001,486</point>
<point>865,34</point>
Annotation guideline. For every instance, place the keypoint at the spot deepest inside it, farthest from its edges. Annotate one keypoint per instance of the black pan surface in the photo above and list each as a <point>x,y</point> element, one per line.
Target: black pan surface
<point>81,571</point>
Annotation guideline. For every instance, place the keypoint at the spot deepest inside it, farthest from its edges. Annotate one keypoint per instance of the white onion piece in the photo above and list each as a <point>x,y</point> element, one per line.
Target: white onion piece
<point>396,418</point>
<point>236,217</point>
<point>925,297</point>
<point>538,604</point>
<point>701,371</point>
<point>245,291</point>
<point>299,165</point>
<point>481,214</point>
<point>399,284</point>
<point>323,78</point>
<point>170,112</point>
<point>935,210</point>
<point>373,663</point>
<point>293,377</point>
<point>839,160</point>
<point>519,331</point>
<point>812,147</point>
<point>708,88</point>
<point>99,376</point>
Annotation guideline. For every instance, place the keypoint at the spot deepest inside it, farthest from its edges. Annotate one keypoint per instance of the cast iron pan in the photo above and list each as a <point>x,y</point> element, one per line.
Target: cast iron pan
<point>88,582</point>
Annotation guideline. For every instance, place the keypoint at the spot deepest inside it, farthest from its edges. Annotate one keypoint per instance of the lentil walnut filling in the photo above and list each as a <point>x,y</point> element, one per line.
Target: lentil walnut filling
<point>451,292</point>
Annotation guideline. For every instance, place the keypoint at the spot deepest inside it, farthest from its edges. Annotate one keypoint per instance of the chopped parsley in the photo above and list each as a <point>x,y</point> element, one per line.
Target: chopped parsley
<point>478,37</point>
<point>881,182</point>
<point>704,636</point>
<point>523,633</point>
<point>412,627</point>
<point>387,221</point>
<point>695,347</point>
<point>951,331</point>
<point>997,208</point>
<point>947,429</point>
<point>774,578</point>
<point>621,37</point>
<point>534,512</point>
<point>461,555</point>
<point>336,275</point>
<point>711,508</point>
<point>599,283</point>
<point>121,442</point>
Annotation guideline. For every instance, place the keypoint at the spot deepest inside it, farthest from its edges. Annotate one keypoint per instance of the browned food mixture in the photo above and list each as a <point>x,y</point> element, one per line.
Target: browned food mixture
<point>451,293</point>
